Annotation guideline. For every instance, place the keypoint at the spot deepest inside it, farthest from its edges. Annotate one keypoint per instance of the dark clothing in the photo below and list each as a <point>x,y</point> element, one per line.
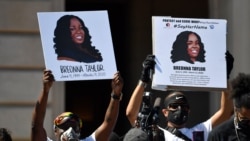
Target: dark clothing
<point>226,132</point>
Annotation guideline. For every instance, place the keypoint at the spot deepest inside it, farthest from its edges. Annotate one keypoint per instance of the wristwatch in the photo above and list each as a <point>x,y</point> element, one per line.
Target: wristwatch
<point>116,97</point>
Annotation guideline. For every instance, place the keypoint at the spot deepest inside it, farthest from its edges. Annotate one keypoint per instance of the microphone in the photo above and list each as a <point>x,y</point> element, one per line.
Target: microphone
<point>153,117</point>
<point>155,111</point>
<point>157,103</point>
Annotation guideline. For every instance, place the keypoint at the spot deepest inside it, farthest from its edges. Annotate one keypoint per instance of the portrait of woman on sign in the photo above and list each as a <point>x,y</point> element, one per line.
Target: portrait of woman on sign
<point>188,47</point>
<point>72,41</point>
<point>76,46</point>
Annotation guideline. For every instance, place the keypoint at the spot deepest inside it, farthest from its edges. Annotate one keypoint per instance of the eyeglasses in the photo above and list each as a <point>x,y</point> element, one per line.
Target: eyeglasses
<point>176,106</point>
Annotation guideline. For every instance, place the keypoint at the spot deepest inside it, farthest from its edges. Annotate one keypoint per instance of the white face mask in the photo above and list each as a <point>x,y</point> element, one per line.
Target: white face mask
<point>70,135</point>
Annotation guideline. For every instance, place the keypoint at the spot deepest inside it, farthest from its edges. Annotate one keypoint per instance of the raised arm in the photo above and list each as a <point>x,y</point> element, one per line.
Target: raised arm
<point>103,132</point>
<point>38,132</point>
<point>225,111</point>
<point>136,98</point>
<point>226,106</point>
<point>135,103</point>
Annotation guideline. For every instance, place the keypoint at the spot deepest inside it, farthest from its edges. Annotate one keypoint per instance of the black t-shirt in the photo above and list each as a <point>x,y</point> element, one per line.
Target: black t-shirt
<point>226,132</point>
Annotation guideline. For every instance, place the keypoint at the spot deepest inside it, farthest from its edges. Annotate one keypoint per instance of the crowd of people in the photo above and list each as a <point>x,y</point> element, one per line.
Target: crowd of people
<point>231,122</point>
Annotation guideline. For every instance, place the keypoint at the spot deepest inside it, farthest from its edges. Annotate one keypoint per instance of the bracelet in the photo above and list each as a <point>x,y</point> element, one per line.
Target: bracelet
<point>143,84</point>
<point>116,97</point>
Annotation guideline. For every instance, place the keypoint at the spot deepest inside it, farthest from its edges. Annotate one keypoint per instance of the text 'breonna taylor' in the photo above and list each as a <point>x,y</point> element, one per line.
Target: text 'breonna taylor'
<point>189,68</point>
<point>82,68</point>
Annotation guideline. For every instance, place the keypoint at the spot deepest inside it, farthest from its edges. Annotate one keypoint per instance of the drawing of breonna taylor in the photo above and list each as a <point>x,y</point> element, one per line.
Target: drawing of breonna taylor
<point>73,42</point>
<point>188,47</point>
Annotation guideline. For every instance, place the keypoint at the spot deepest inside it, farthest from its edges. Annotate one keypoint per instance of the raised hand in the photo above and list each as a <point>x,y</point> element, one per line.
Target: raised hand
<point>148,67</point>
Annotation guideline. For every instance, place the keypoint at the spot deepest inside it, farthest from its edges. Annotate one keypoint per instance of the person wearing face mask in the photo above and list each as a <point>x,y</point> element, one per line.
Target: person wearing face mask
<point>237,128</point>
<point>67,126</point>
<point>177,108</point>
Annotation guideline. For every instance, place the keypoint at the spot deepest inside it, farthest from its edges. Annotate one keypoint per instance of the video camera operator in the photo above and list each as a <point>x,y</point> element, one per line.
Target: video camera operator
<point>146,108</point>
<point>148,118</point>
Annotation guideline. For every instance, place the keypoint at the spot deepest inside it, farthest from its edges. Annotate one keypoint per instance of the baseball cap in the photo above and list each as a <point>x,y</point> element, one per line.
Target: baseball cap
<point>136,134</point>
<point>175,97</point>
<point>66,120</point>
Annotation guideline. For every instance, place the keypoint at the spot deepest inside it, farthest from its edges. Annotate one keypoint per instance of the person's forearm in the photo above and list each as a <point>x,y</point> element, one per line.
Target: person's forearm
<point>104,131</point>
<point>112,113</point>
<point>40,109</point>
<point>135,104</point>
<point>226,104</point>
<point>226,109</point>
<point>38,133</point>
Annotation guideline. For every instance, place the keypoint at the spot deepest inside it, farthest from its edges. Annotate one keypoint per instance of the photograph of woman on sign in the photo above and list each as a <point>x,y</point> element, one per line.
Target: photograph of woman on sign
<point>188,47</point>
<point>72,41</point>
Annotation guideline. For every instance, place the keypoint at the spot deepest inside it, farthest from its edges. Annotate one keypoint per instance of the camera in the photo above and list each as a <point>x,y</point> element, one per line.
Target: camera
<point>148,117</point>
<point>145,111</point>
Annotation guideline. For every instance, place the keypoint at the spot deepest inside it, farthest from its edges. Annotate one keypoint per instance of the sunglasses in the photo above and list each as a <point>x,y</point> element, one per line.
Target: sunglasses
<point>74,124</point>
<point>68,119</point>
<point>176,106</point>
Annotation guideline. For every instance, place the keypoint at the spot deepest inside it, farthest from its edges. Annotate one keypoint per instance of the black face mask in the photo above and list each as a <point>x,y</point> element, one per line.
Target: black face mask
<point>244,125</point>
<point>178,117</point>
